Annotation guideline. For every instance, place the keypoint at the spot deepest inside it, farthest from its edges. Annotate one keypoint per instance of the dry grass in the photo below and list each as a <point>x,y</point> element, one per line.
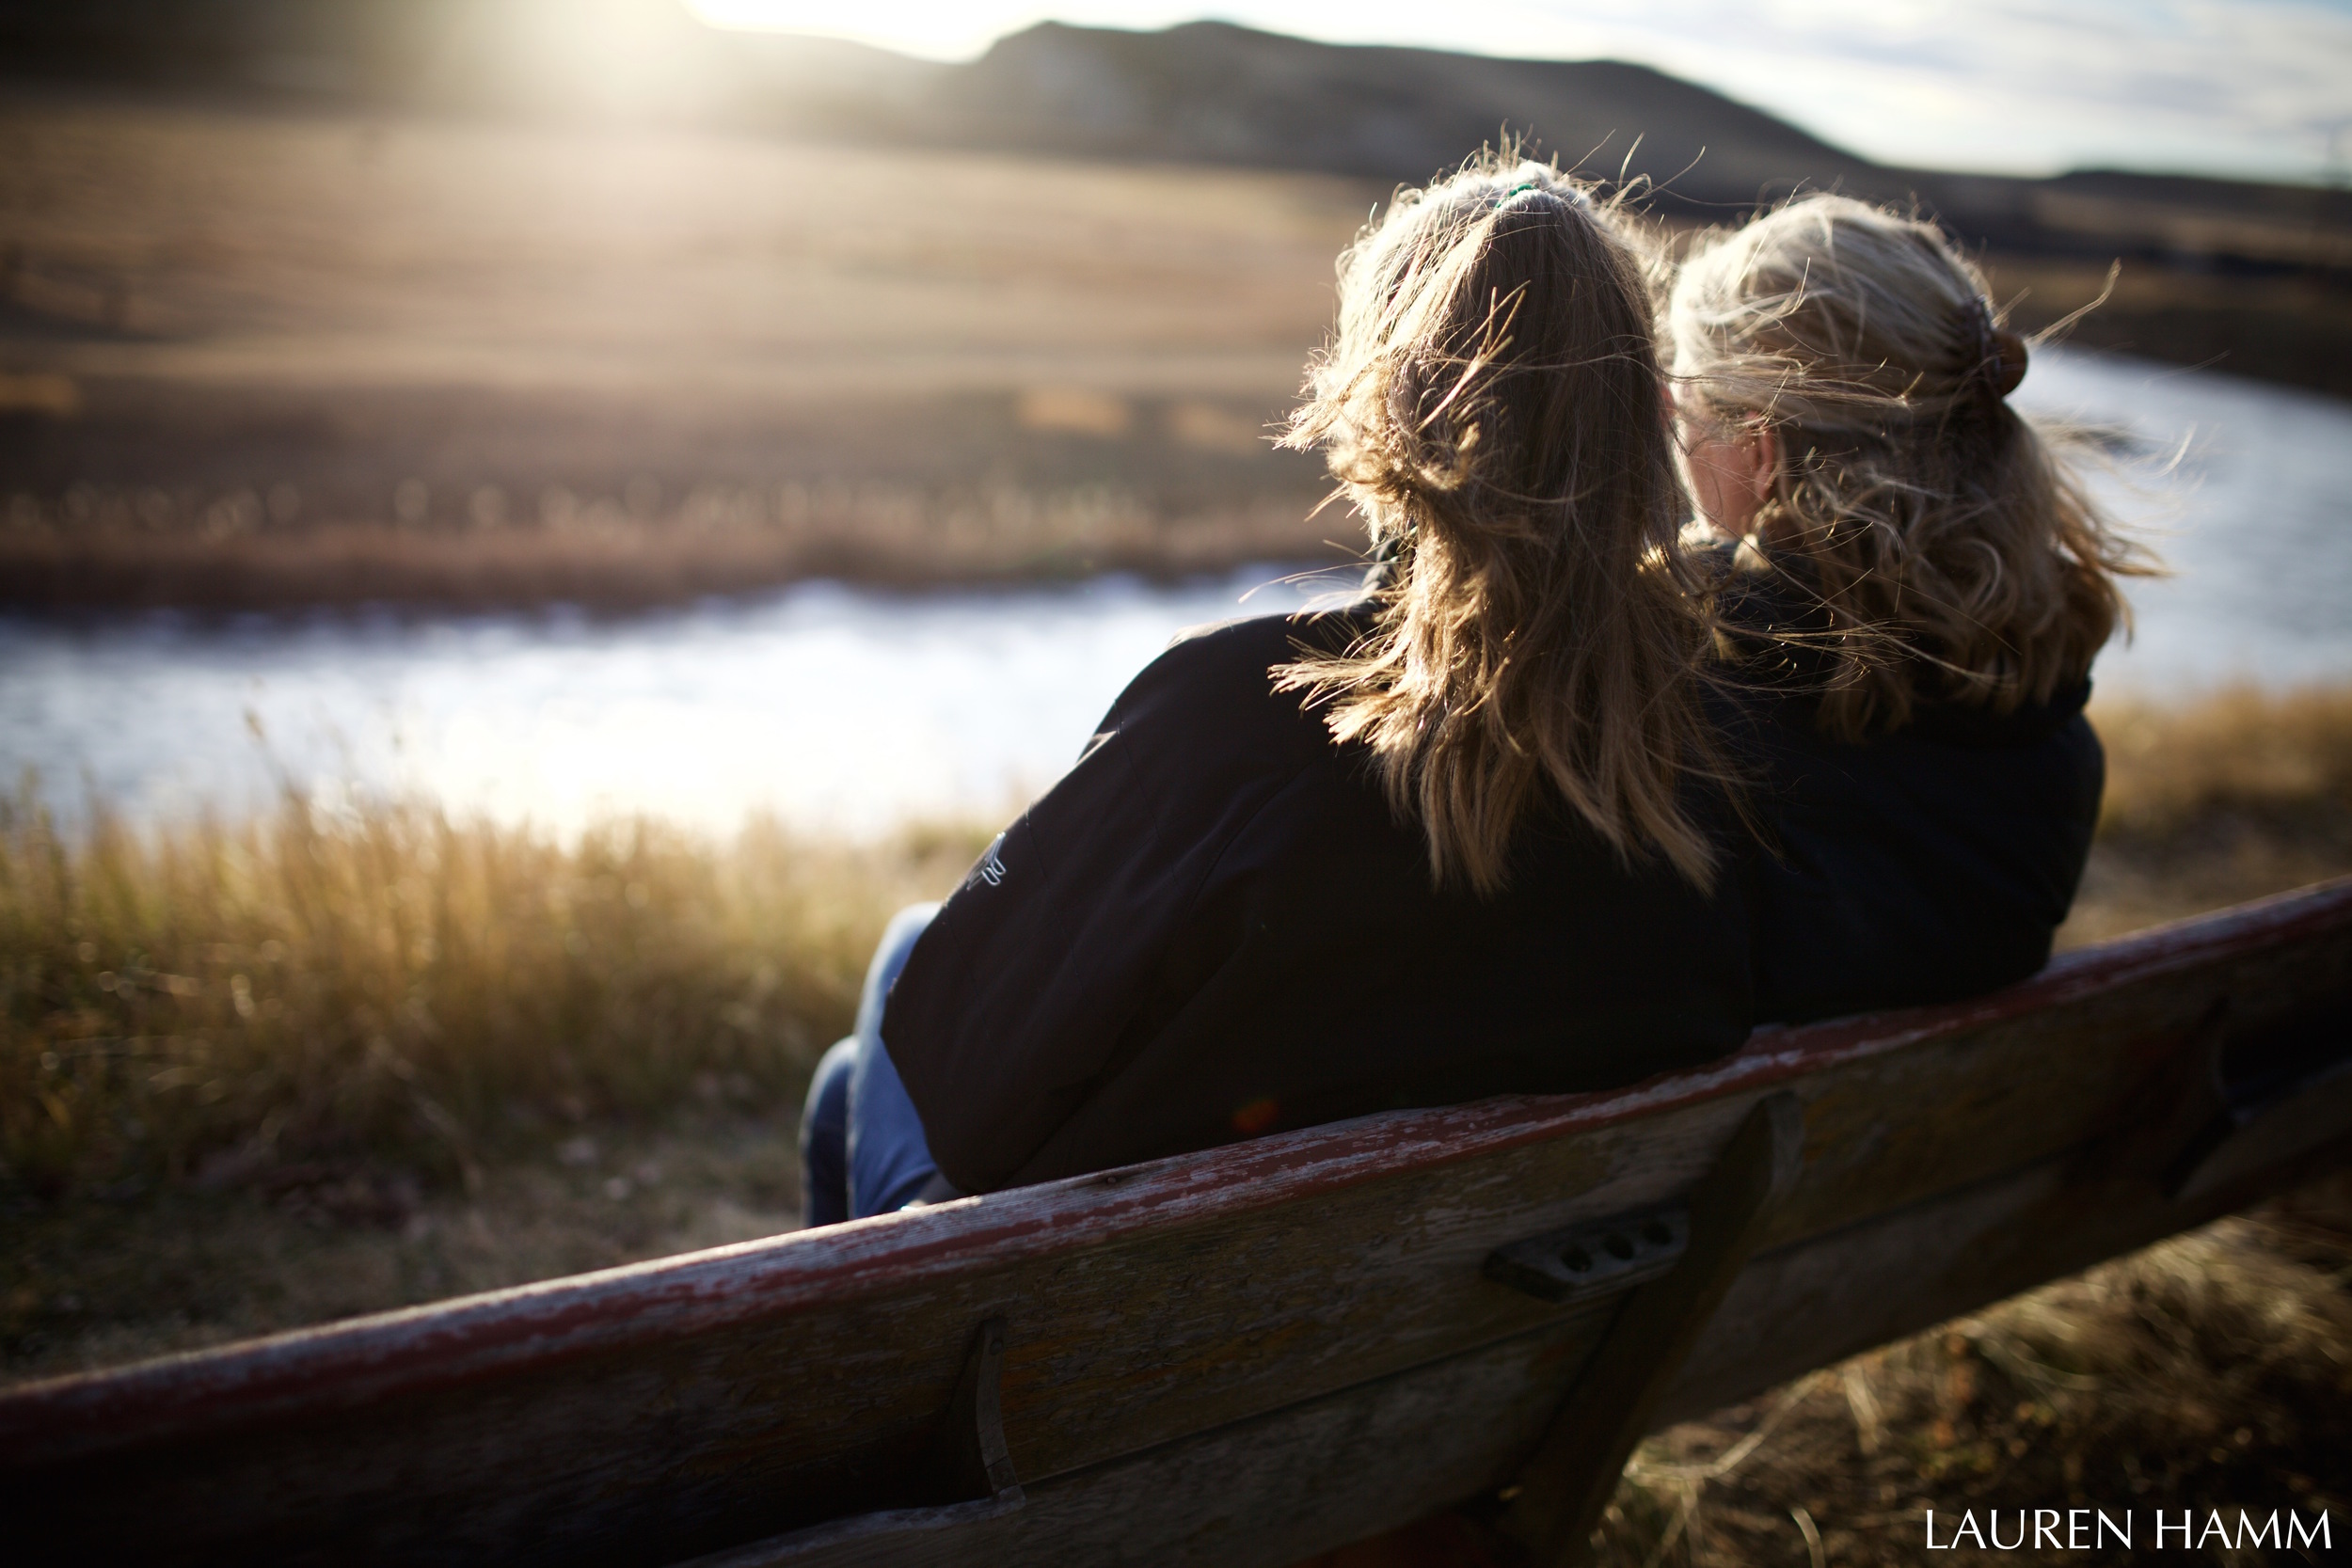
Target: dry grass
<point>2211,1372</point>
<point>253,358</point>
<point>391,985</point>
<point>94,1280</point>
<point>184,242</point>
<point>724,539</point>
<point>2176,775</point>
<point>329,1064</point>
<point>2289,327</point>
<point>2216,801</point>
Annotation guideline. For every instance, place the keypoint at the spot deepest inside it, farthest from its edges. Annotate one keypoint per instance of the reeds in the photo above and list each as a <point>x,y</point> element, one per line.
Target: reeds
<point>390,983</point>
<point>2238,759</point>
<point>2226,797</point>
<point>723,540</point>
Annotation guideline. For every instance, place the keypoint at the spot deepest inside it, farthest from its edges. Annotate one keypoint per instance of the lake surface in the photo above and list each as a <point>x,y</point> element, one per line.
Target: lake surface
<point>850,710</point>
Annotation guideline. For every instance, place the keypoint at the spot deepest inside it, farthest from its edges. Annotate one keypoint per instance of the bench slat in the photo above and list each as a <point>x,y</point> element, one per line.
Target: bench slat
<point>1265,1491</point>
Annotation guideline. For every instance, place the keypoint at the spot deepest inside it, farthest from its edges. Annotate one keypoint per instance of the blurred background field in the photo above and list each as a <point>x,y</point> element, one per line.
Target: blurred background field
<point>528,528</point>
<point>270,358</point>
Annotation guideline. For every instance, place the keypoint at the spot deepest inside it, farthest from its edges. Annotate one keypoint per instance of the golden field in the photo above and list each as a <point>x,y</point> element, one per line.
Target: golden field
<point>259,356</point>
<point>252,358</point>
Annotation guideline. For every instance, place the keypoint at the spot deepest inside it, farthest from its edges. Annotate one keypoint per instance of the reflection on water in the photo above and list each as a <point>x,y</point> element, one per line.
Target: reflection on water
<point>2256,521</point>
<point>850,709</point>
<point>836,708</point>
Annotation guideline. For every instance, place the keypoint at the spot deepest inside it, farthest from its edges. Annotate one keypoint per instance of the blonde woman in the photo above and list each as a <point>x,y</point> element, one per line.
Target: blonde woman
<point>1452,840</point>
<point>1924,581</point>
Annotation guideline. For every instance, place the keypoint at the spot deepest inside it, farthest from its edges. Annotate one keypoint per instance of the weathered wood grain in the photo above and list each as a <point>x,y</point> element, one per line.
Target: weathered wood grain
<point>1264,1491</point>
<point>2256,1138</point>
<point>652,1412</point>
<point>1282,1486</point>
<point>1830,1297</point>
<point>978,1531</point>
<point>1566,1482</point>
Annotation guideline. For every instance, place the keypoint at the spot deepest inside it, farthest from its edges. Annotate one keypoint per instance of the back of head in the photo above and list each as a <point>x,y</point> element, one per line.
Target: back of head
<point>1956,554</point>
<point>1490,404</point>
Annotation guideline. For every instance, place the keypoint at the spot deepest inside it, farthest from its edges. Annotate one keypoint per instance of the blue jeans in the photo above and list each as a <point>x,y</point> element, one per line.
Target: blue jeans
<point>862,1147</point>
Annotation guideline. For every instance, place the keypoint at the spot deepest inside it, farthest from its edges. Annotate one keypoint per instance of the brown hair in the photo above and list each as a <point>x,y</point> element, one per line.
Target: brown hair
<point>1953,550</point>
<point>1492,405</point>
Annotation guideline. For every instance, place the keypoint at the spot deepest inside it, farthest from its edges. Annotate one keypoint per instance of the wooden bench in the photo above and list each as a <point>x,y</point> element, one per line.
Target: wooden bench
<point>1257,1354</point>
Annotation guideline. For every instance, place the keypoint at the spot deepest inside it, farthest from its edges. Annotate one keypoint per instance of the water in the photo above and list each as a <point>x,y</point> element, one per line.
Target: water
<point>850,710</point>
<point>837,709</point>
<point>2255,521</point>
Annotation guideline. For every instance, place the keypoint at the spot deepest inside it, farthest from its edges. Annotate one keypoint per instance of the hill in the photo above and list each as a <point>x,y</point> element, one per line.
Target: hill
<point>1203,92</point>
<point>1212,92</point>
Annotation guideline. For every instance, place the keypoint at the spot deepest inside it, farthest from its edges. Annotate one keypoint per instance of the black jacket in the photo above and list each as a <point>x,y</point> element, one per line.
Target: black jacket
<point>1921,866</point>
<point>1214,928</point>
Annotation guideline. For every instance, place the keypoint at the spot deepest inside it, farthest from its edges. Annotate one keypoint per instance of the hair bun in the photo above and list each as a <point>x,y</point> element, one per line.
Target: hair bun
<point>2008,366</point>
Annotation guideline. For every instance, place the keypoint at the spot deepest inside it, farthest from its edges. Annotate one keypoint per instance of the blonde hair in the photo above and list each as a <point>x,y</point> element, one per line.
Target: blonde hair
<point>1953,550</point>
<point>1492,405</point>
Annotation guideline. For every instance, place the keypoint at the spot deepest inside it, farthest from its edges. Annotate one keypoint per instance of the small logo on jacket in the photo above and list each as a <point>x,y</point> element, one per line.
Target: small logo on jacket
<point>991,868</point>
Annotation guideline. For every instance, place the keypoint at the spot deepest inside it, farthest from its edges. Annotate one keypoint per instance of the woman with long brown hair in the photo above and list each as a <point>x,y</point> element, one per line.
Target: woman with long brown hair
<point>1457,838</point>
<point>1917,581</point>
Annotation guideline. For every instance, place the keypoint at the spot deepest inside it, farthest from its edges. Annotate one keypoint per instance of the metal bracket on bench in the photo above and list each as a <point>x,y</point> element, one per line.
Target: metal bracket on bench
<point>1574,1471</point>
<point>1590,1260</point>
<point>971,1454</point>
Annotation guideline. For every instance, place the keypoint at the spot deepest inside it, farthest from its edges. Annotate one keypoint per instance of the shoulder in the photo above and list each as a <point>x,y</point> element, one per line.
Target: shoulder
<point>1255,643</point>
<point>1213,677</point>
<point>1200,742</point>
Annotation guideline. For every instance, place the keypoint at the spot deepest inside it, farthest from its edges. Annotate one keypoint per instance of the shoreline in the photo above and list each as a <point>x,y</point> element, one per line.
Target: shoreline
<point>625,571</point>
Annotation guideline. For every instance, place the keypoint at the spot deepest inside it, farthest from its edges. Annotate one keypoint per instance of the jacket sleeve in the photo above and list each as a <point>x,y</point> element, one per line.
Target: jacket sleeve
<point>1018,1000</point>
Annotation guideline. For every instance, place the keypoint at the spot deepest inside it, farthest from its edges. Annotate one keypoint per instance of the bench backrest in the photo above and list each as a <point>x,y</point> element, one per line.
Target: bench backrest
<point>1241,1356</point>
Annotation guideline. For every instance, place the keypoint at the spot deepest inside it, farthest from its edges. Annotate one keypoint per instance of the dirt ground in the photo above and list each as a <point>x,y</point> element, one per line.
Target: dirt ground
<point>103,1280</point>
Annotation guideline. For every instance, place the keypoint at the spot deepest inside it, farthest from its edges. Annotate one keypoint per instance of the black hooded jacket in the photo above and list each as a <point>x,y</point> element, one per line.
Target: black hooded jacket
<point>1215,927</point>
<point>1921,866</point>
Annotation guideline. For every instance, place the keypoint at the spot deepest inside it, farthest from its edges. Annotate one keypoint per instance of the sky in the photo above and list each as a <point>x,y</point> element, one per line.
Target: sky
<point>2259,89</point>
